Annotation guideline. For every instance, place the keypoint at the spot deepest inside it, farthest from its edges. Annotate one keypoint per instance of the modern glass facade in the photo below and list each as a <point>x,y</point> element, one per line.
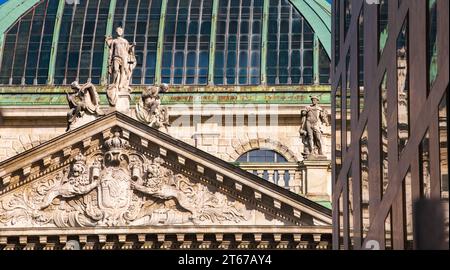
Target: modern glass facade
<point>55,42</point>
<point>390,99</point>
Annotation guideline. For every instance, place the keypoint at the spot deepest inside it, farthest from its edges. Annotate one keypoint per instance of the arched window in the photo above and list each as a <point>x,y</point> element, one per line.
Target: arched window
<point>256,162</point>
<point>262,156</point>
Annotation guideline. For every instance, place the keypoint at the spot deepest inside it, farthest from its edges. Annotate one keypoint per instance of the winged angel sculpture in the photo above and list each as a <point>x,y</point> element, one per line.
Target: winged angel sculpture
<point>117,186</point>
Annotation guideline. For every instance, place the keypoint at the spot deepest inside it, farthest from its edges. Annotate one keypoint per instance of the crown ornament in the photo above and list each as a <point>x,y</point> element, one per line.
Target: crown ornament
<point>116,146</point>
<point>116,142</point>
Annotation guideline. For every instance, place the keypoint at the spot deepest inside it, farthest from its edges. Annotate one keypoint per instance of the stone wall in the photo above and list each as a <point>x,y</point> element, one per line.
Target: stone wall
<point>209,130</point>
<point>15,140</point>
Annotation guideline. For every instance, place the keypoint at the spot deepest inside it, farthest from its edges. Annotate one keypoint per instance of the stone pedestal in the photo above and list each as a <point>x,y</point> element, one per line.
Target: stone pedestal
<point>316,178</point>
<point>123,102</point>
<point>81,121</point>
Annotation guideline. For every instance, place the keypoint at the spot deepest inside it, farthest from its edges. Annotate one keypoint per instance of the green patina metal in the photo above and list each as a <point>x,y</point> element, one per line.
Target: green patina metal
<point>1,47</point>
<point>159,49</point>
<point>325,204</point>
<point>434,61</point>
<point>318,15</point>
<point>179,89</point>
<point>264,37</point>
<point>383,39</point>
<point>54,49</point>
<point>10,12</point>
<point>316,58</point>
<point>59,99</point>
<point>212,42</point>
<point>109,30</point>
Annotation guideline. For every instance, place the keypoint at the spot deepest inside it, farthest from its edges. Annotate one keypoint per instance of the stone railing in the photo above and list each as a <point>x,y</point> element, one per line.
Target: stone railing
<point>287,175</point>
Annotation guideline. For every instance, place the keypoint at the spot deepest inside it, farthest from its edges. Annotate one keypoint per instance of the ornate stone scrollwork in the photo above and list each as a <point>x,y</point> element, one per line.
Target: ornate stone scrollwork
<point>117,186</point>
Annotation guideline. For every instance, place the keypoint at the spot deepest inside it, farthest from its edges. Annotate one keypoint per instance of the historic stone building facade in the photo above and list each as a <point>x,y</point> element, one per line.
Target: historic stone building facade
<point>239,74</point>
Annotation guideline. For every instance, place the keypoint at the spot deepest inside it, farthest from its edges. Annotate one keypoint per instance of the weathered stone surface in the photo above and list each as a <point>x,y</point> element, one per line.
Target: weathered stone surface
<point>115,184</point>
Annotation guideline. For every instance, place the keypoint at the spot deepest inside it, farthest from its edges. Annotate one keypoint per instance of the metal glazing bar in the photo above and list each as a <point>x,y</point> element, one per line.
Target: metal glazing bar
<point>109,30</point>
<point>159,49</point>
<point>316,59</point>
<point>212,42</point>
<point>264,40</point>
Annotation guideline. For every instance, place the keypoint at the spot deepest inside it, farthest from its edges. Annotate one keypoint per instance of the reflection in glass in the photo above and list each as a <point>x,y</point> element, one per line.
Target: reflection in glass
<point>383,23</point>
<point>341,219</point>
<point>348,14</point>
<point>443,144</point>
<point>408,202</point>
<point>384,134</point>
<point>388,230</point>
<point>348,113</point>
<point>424,157</point>
<point>432,42</point>
<point>350,204</point>
<point>361,61</point>
<point>403,87</point>
<point>338,131</point>
<point>364,166</point>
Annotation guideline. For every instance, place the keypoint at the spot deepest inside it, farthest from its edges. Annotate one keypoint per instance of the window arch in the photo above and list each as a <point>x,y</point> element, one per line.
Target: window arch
<point>255,161</point>
<point>262,156</point>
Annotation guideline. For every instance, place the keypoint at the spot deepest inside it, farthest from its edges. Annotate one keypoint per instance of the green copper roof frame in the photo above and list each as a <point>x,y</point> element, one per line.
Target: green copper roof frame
<point>54,49</point>
<point>10,12</point>
<point>316,12</point>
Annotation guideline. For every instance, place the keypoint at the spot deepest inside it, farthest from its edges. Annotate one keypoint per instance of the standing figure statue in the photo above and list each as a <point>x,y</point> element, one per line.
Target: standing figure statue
<point>313,117</point>
<point>121,61</point>
<point>84,104</point>
<point>149,109</point>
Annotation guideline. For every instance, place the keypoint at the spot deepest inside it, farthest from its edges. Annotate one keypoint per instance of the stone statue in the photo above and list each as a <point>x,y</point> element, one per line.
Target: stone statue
<point>122,61</point>
<point>313,117</point>
<point>77,182</point>
<point>84,105</point>
<point>163,184</point>
<point>149,109</point>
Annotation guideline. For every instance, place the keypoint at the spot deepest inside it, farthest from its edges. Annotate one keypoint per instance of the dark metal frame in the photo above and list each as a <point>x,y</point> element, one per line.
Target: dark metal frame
<point>348,231</point>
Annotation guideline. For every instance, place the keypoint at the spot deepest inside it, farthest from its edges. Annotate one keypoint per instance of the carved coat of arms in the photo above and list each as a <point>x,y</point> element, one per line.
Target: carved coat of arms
<point>117,186</point>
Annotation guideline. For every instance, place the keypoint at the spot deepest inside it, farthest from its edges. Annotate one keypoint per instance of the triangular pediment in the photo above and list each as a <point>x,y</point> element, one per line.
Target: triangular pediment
<point>118,172</point>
